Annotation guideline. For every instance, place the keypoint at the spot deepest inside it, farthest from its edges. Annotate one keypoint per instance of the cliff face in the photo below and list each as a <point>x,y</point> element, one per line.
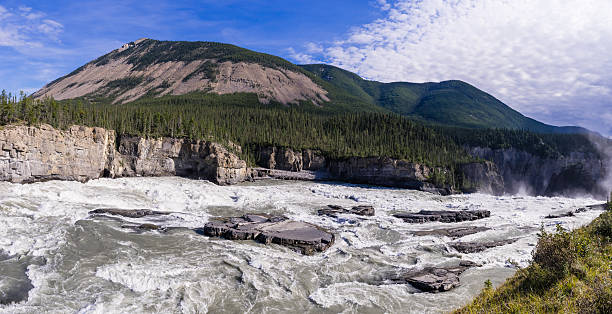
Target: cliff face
<point>36,154</point>
<point>482,177</point>
<point>31,154</point>
<point>572,175</point>
<point>137,156</point>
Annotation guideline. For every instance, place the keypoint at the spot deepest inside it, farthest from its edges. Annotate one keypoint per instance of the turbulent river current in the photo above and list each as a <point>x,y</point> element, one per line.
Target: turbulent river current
<point>55,257</point>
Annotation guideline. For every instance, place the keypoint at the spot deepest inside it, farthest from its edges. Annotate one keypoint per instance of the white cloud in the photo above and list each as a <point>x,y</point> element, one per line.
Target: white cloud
<point>27,28</point>
<point>549,59</point>
<point>301,58</point>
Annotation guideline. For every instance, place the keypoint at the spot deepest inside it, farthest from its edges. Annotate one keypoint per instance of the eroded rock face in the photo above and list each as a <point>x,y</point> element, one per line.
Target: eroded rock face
<point>30,154</point>
<point>443,216</point>
<point>335,210</point>
<point>280,158</point>
<point>303,237</point>
<point>181,157</point>
<point>431,279</point>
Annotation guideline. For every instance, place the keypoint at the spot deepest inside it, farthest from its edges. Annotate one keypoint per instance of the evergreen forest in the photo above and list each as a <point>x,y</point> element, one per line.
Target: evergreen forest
<point>242,119</point>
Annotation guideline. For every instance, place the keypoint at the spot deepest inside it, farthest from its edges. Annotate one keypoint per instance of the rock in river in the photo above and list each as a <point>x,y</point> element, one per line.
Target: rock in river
<point>443,216</point>
<point>130,213</point>
<point>457,232</point>
<point>303,237</point>
<point>431,279</point>
<point>473,247</point>
<point>334,210</point>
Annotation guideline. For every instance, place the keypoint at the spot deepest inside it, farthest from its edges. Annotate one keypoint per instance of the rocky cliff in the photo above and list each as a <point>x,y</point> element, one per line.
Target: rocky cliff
<point>572,175</point>
<point>31,154</point>
<point>478,176</point>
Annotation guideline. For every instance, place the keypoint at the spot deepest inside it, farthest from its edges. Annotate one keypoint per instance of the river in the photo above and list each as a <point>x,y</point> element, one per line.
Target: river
<point>56,258</point>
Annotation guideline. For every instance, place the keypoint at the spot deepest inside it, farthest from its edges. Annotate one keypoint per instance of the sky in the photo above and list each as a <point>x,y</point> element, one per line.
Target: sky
<point>548,59</point>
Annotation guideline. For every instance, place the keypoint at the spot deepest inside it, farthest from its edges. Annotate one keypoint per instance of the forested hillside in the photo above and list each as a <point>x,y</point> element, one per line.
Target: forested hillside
<point>240,118</point>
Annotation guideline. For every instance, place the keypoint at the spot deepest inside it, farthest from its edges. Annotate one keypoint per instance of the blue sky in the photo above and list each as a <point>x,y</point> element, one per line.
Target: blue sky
<point>549,59</point>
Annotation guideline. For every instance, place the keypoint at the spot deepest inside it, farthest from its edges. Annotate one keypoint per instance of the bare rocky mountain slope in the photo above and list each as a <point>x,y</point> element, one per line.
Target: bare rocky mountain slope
<point>149,67</point>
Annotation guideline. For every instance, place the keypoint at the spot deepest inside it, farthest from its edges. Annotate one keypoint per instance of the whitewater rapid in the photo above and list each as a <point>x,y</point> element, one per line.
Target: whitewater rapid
<point>62,260</point>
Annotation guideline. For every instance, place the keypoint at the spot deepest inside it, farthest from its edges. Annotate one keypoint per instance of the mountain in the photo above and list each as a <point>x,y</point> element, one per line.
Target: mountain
<point>453,103</point>
<point>147,68</point>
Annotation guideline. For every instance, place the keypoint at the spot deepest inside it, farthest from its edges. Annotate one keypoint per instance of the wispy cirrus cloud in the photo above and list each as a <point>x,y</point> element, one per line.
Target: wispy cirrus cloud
<point>549,59</point>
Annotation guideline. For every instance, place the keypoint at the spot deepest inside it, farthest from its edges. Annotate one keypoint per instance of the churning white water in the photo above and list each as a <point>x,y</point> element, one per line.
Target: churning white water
<point>55,257</point>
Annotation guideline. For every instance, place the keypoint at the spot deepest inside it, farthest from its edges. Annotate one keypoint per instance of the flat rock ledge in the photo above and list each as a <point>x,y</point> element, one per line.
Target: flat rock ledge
<point>432,279</point>
<point>473,247</point>
<point>454,233</point>
<point>443,216</point>
<point>129,213</point>
<point>335,210</point>
<point>300,236</point>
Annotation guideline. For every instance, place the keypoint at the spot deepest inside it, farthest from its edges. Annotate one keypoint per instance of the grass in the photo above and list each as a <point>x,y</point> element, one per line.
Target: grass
<point>571,272</point>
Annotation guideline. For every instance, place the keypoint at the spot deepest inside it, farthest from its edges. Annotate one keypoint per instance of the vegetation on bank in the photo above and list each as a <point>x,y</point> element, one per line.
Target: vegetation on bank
<point>571,273</point>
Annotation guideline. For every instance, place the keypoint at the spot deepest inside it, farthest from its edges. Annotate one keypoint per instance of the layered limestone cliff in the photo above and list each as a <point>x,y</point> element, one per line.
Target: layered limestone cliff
<point>42,153</point>
<point>31,154</point>
<point>572,175</point>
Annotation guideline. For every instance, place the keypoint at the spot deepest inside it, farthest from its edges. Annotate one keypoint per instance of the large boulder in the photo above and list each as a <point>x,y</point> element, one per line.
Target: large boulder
<point>300,236</point>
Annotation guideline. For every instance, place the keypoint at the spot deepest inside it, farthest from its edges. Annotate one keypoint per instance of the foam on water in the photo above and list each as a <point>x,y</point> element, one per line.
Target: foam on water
<point>94,265</point>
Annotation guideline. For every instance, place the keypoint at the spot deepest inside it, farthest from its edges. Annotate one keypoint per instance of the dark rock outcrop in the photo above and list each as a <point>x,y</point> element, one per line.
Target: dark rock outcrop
<point>129,213</point>
<point>303,237</point>
<point>457,232</point>
<point>431,279</point>
<point>443,216</point>
<point>473,247</point>
<point>560,215</point>
<point>335,210</point>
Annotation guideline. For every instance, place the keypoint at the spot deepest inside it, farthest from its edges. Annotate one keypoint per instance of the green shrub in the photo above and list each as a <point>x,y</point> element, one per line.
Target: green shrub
<point>603,225</point>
